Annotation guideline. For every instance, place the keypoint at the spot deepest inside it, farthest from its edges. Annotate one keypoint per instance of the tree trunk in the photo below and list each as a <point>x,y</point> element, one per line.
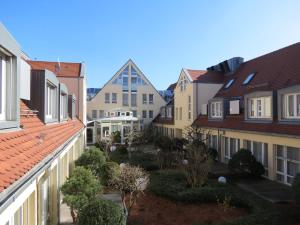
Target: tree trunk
<point>74,216</point>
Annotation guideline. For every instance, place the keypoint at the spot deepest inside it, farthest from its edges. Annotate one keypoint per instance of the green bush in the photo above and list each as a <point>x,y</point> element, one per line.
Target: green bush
<point>243,162</point>
<point>120,155</point>
<point>296,188</point>
<point>111,171</point>
<point>171,184</point>
<point>92,159</point>
<point>147,161</point>
<point>79,189</point>
<point>101,212</point>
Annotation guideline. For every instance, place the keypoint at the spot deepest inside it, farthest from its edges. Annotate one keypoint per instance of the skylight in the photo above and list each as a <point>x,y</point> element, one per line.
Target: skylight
<point>229,83</point>
<point>249,78</point>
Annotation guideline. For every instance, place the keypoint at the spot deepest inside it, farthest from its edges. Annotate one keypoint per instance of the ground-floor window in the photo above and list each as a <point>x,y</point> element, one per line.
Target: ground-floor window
<point>287,163</point>
<point>231,146</point>
<point>259,151</point>
<point>213,141</point>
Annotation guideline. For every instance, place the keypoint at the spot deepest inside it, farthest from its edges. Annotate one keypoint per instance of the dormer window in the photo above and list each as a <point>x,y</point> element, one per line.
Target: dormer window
<point>229,83</point>
<point>2,87</point>
<point>292,105</point>
<point>259,107</point>
<point>216,109</point>
<point>63,106</point>
<point>51,105</point>
<point>249,78</point>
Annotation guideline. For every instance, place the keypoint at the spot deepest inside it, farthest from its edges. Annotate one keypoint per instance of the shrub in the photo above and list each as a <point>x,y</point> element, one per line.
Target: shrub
<point>147,161</point>
<point>111,171</point>
<point>79,189</point>
<point>198,166</point>
<point>120,155</point>
<point>171,184</point>
<point>213,153</point>
<point>132,180</point>
<point>243,162</point>
<point>296,188</point>
<point>92,159</point>
<point>99,212</point>
<point>116,137</point>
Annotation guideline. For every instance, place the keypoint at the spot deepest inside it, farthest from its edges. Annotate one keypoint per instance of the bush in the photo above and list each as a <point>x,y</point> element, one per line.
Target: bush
<point>92,159</point>
<point>171,184</point>
<point>243,162</point>
<point>147,161</point>
<point>111,171</point>
<point>100,212</point>
<point>116,137</point>
<point>120,155</point>
<point>79,189</point>
<point>296,188</point>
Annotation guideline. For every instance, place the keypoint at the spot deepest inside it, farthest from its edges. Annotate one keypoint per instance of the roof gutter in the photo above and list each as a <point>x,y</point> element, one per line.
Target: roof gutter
<point>10,194</point>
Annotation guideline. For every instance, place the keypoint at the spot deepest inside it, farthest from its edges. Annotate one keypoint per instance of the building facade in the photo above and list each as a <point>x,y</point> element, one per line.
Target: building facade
<point>127,90</point>
<point>193,88</point>
<point>40,137</point>
<point>258,108</point>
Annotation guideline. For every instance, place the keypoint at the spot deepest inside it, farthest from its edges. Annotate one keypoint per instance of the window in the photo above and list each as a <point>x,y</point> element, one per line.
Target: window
<point>63,106</point>
<point>216,109</point>
<point>51,101</point>
<point>292,105</point>
<point>134,113</point>
<point>169,112</point>
<point>180,113</point>
<point>94,114</point>
<point>107,98</point>
<point>189,107</point>
<point>2,88</point>
<point>151,98</point>
<point>183,83</point>
<point>229,83</point>
<point>144,99</point>
<point>134,83</point>
<point>144,114</point>
<point>249,78</point>
<point>259,151</point>
<point>101,113</point>
<point>133,99</point>
<point>163,112</point>
<point>114,98</point>
<point>260,107</point>
<point>176,114</point>
<point>151,114</point>
<point>125,83</point>
<point>287,163</point>
<point>125,99</point>
<point>232,145</point>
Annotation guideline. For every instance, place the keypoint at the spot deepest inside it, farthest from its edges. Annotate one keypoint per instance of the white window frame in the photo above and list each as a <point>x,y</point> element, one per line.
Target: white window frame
<point>51,104</point>
<point>107,100</point>
<point>296,108</point>
<point>228,155</point>
<point>285,160</point>
<point>125,103</point>
<point>257,108</point>
<point>216,109</point>
<point>114,98</point>
<point>63,106</point>
<point>3,88</point>
<point>94,111</point>
<point>144,98</point>
<point>151,100</point>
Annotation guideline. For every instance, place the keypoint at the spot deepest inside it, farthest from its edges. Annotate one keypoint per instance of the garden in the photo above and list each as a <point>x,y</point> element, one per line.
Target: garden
<point>172,184</point>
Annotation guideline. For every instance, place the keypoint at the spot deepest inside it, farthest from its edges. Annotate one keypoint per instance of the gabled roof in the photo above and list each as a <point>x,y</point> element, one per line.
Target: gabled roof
<point>172,87</point>
<point>273,71</point>
<point>204,76</point>
<point>20,151</point>
<point>61,69</point>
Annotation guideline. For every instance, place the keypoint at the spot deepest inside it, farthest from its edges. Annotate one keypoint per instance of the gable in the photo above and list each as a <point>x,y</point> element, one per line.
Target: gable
<point>129,74</point>
<point>182,78</point>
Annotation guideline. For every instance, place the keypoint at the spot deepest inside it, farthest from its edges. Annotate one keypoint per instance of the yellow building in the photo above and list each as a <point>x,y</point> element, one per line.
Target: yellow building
<point>193,88</point>
<point>128,90</point>
<point>40,137</point>
<point>258,109</point>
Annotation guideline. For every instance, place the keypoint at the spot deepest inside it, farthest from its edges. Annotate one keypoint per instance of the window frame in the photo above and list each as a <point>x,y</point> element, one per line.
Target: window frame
<point>114,98</point>
<point>125,103</point>
<point>151,114</point>
<point>63,102</point>
<point>151,101</point>
<point>144,99</point>
<point>51,101</point>
<point>216,109</point>
<point>144,114</point>
<point>106,97</point>
<point>251,99</point>
<point>296,108</point>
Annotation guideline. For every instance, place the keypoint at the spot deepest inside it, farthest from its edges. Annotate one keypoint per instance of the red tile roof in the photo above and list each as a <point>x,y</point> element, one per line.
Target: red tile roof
<point>205,76</point>
<point>276,70</point>
<point>20,151</point>
<point>62,69</point>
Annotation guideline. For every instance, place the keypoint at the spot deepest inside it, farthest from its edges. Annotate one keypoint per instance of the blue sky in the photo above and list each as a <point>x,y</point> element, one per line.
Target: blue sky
<point>161,36</point>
